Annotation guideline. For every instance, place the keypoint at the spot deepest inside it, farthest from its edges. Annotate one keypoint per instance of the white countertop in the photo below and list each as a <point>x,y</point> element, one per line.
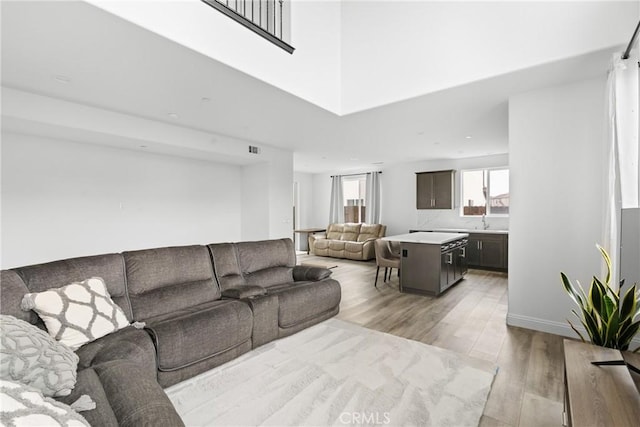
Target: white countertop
<point>469,230</point>
<point>429,238</point>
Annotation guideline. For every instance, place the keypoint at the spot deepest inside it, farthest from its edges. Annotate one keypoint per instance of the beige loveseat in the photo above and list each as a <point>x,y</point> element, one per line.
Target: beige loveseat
<point>351,241</point>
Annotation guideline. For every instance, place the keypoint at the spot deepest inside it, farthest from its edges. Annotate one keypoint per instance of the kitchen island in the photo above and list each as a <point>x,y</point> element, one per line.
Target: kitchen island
<point>430,263</point>
<point>487,249</point>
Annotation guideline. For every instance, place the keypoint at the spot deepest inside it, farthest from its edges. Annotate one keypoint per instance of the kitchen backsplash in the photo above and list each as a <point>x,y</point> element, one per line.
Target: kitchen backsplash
<point>428,219</point>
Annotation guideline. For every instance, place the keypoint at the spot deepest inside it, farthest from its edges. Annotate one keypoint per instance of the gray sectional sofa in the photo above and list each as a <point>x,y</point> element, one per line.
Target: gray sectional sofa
<point>202,306</point>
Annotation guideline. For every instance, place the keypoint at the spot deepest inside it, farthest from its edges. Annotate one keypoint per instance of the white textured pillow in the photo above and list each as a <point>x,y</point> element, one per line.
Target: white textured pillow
<point>26,406</point>
<point>29,355</point>
<point>77,313</point>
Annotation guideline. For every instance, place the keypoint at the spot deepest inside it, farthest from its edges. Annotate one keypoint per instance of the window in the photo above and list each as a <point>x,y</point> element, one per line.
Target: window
<point>485,192</point>
<point>353,189</point>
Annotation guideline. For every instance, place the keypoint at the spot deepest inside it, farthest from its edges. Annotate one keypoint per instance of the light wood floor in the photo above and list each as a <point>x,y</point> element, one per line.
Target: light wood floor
<point>469,318</point>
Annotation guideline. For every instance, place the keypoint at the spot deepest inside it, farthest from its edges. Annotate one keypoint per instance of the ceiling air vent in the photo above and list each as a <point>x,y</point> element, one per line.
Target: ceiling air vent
<point>254,150</point>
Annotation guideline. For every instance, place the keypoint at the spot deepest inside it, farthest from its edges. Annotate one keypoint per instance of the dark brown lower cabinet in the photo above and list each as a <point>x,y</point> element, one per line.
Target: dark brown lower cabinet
<point>486,250</point>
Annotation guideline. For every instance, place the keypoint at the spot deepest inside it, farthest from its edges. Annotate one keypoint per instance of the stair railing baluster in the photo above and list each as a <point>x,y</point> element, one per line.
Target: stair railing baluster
<point>272,11</point>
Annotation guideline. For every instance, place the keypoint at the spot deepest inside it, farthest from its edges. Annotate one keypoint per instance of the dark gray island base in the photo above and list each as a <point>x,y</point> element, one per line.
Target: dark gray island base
<point>431,262</point>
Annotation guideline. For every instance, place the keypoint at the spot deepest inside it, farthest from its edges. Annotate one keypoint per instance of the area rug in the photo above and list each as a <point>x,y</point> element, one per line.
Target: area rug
<point>338,373</point>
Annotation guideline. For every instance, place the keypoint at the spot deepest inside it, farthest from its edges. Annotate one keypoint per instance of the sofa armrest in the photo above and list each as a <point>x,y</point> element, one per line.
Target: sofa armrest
<point>136,400</point>
<point>241,292</point>
<point>368,249</point>
<point>307,273</point>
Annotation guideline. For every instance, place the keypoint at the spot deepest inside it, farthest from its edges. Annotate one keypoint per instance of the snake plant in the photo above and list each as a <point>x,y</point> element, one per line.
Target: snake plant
<point>609,319</point>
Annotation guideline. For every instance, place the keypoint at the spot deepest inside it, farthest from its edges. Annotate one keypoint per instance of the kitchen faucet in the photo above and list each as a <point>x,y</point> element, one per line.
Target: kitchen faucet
<point>484,223</point>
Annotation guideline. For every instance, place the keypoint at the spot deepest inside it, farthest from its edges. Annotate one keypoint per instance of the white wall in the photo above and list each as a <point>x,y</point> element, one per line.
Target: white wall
<point>393,50</point>
<point>64,199</point>
<point>305,213</point>
<point>312,72</point>
<point>321,199</point>
<point>556,157</point>
<point>280,187</point>
<point>255,202</point>
<point>267,199</point>
<point>398,195</point>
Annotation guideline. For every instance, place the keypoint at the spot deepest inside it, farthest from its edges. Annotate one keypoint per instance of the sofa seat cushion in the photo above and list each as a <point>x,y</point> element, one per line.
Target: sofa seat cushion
<point>337,245</point>
<point>201,332</point>
<point>302,301</point>
<point>322,244</point>
<point>353,247</point>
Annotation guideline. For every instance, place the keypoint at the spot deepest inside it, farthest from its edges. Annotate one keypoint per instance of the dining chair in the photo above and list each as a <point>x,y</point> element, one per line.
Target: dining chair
<point>387,258</point>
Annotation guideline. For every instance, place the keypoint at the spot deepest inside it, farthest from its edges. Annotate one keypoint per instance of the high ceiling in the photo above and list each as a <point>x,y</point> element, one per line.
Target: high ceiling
<point>76,52</point>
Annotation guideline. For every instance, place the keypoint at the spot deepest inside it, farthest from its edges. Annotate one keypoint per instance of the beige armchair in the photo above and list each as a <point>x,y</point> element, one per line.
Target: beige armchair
<point>349,240</point>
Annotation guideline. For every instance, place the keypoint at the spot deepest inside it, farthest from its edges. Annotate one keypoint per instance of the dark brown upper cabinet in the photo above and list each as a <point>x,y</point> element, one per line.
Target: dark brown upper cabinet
<point>435,190</point>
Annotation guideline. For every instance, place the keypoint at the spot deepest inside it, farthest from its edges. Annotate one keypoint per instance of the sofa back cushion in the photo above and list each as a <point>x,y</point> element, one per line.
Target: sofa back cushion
<point>268,262</point>
<point>370,231</point>
<point>56,274</point>
<point>350,232</point>
<point>11,293</point>
<point>165,280</point>
<point>226,266</point>
<point>334,231</point>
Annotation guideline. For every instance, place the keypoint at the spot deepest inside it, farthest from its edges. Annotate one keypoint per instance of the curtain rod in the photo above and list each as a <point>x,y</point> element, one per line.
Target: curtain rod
<point>355,174</point>
<point>631,42</point>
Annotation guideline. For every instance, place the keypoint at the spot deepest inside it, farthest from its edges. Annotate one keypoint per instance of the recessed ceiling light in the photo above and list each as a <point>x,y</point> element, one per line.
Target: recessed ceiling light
<point>377,163</point>
<point>468,137</point>
<point>436,143</point>
<point>354,158</point>
<point>205,99</point>
<point>62,79</point>
<point>421,132</point>
<point>173,115</point>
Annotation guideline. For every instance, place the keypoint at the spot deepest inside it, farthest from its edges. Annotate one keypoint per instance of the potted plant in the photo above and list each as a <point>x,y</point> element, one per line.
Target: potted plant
<point>608,317</point>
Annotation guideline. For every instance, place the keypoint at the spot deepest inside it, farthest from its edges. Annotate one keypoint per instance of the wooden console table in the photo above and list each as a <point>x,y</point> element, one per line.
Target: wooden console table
<point>598,395</point>
<point>305,232</point>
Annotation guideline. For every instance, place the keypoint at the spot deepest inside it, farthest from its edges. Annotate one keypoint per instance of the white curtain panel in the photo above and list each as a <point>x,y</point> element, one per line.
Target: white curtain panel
<point>627,128</point>
<point>622,189</point>
<point>372,198</point>
<point>336,208</point>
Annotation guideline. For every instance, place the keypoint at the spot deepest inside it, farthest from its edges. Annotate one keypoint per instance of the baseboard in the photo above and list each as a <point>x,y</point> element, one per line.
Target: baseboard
<point>551,327</point>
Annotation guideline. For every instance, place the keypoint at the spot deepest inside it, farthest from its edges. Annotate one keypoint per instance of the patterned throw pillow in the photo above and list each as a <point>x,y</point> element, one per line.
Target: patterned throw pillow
<point>25,406</point>
<point>29,355</point>
<point>77,313</point>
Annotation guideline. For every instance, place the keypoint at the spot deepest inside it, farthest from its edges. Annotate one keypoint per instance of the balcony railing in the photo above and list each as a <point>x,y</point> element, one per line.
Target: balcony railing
<point>268,18</point>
